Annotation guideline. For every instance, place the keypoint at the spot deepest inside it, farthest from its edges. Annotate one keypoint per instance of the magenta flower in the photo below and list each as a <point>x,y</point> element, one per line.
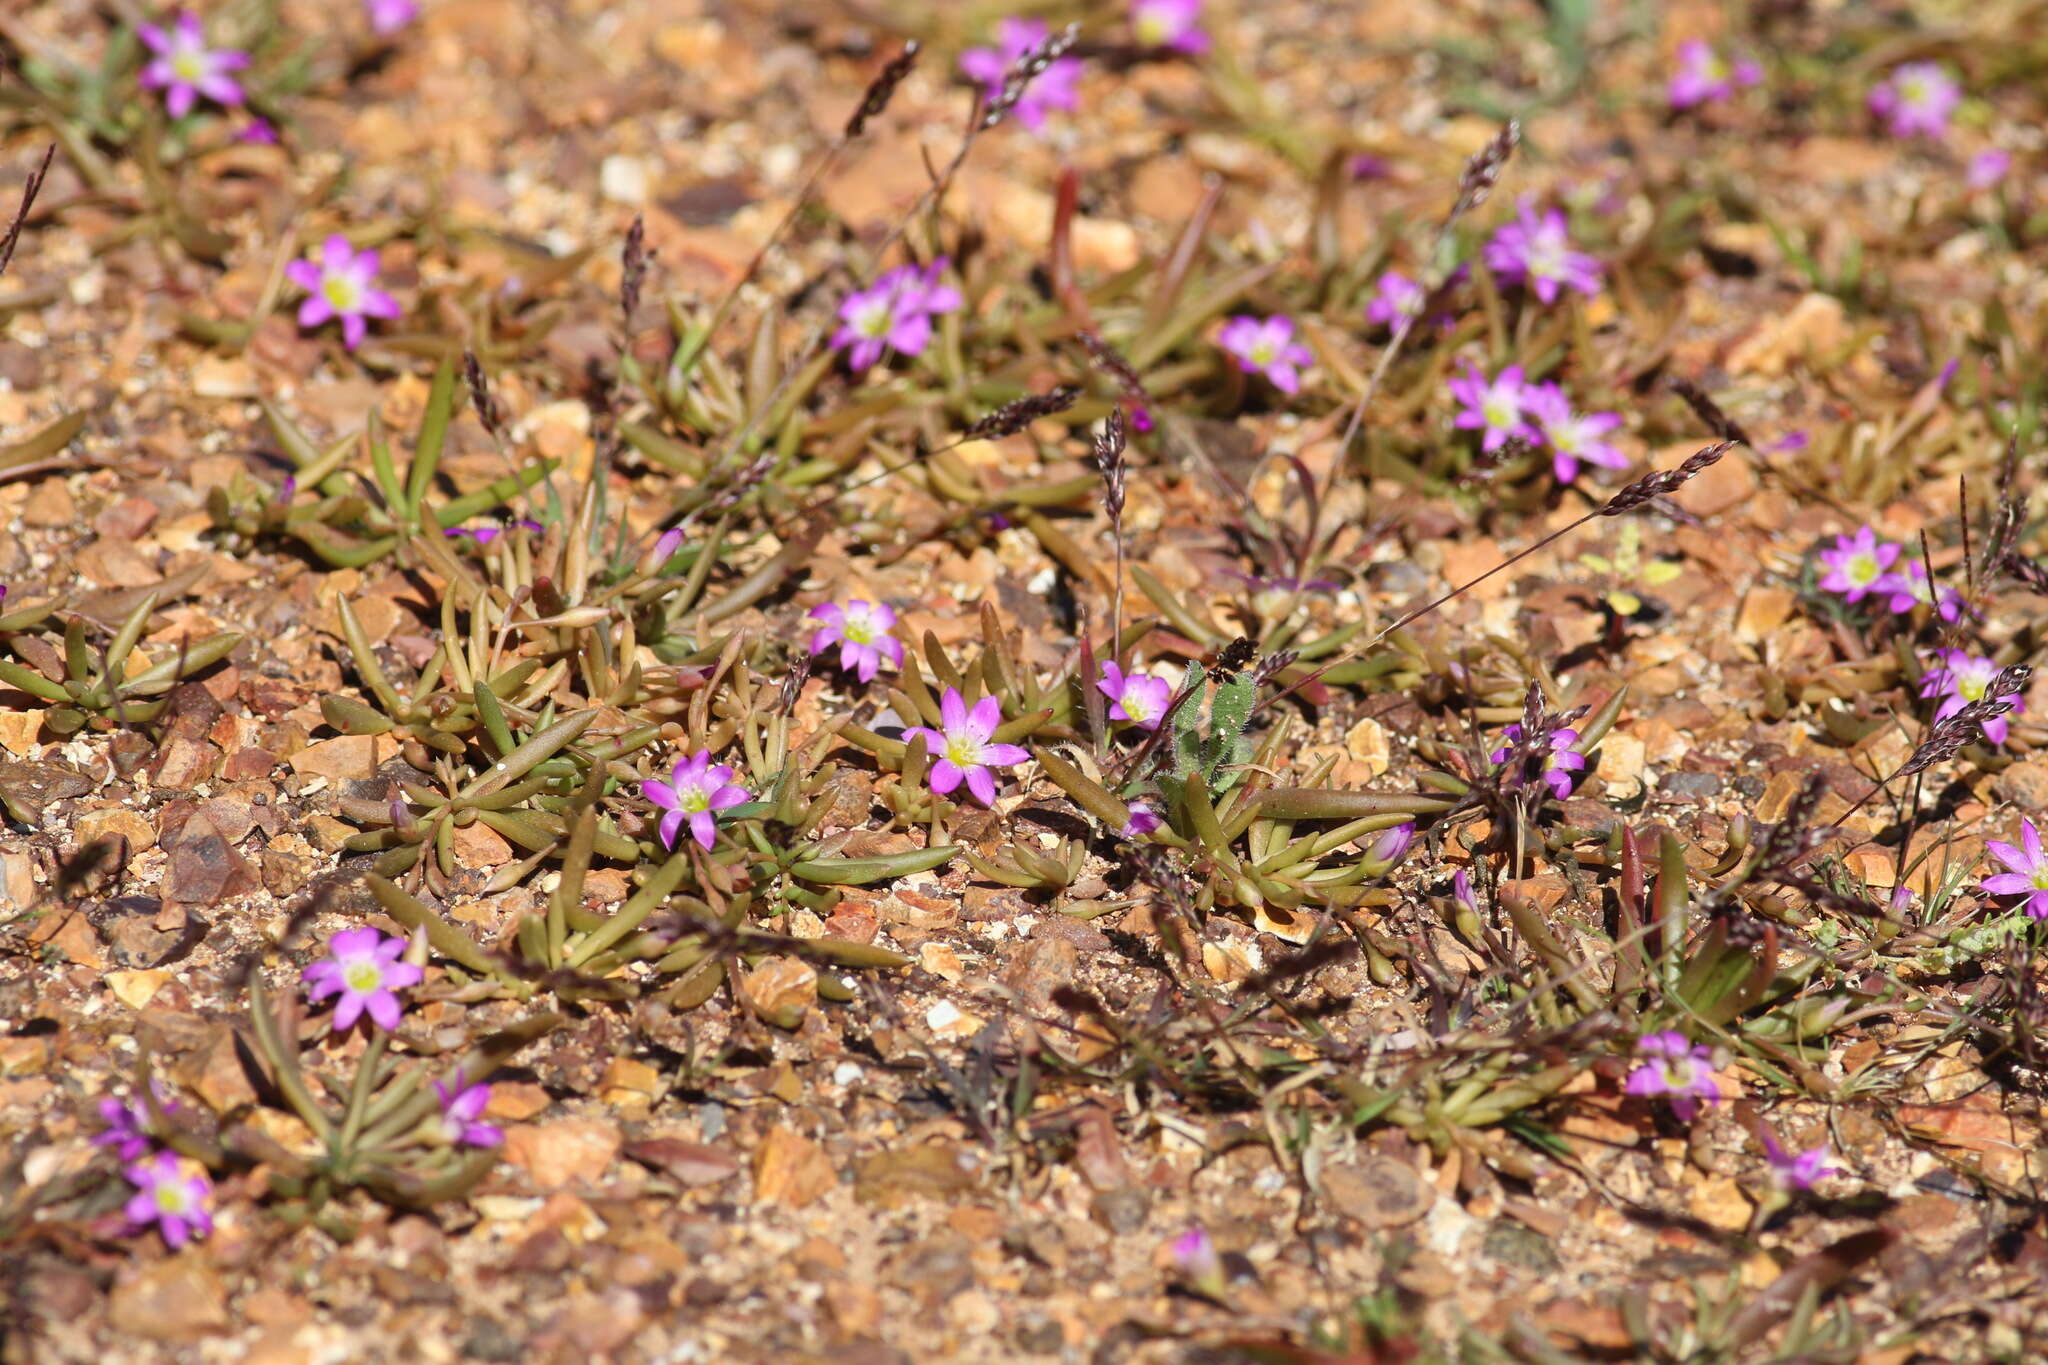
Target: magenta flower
<point>1195,1258</point>
<point>1677,1069</point>
<point>1857,565</point>
<point>1703,77</point>
<point>965,748</point>
<point>1138,698</point>
<point>894,314</point>
<point>258,132</point>
<point>1267,348</point>
<point>128,1124</point>
<point>489,531</point>
<point>1493,406</point>
<point>1962,678</point>
<point>1175,24</point>
<point>389,16</point>
<point>1056,87</point>
<point>2026,871</point>
<point>341,284</point>
<point>1535,251</point>
<point>695,792</point>
<point>362,967</point>
<point>1916,100</point>
<point>171,1194</point>
<point>184,68</point>
<point>1559,763</point>
<point>1909,588</point>
<point>462,1110</point>
<point>1988,167</point>
<point>1142,822</point>
<point>1461,891</point>
<point>861,630</point>
<point>1399,297</point>
<point>1796,1171</point>
<point>1574,438</point>
<point>1391,845</point>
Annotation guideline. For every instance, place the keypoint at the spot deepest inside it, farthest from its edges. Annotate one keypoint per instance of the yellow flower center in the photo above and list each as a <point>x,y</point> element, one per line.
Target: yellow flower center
<point>343,292</point>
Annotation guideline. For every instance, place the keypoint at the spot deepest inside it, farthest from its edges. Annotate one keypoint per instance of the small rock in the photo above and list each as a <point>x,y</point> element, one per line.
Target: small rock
<point>516,1101</point>
<point>1379,1192</point>
<point>129,518</point>
<point>623,180</point>
<point>206,870</point>
<point>629,1084</point>
<point>1121,1210</point>
<point>895,1176</point>
<point>791,1169</point>
<point>343,758</point>
<point>136,989</point>
<point>117,823</point>
<point>562,1152</point>
<point>181,1299</point>
<point>782,988</point>
<point>479,845</point>
<point>692,1163</point>
<point>1690,786</point>
<point>2025,784</point>
<point>28,788</point>
<point>50,504</point>
<point>1520,1246</point>
<point>938,1268</point>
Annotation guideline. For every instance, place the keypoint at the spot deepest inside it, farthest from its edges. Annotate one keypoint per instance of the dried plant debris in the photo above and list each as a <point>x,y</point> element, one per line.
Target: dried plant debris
<point>1140,681</point>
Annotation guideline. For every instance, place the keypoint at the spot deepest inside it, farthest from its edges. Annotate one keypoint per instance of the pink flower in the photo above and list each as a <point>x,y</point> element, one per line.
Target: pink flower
<point>1559,762</point>
<point>489,531</point>
<point>1703,77</point>
<point>184,68</point>
<point>1916,100</point>
<point>1056,87</point>
<point>1399,297</point>
<point>964,747</point>
<point>1143,821</point>
<point>1909,588</point>
<point>1856,566</point>
<point>1963,678</point>
<point>1988,167</point>
<point>1174,24</point>
<point>1195,1258</point>
<point>1676,1069</point>
<point>128,1124</point>
<point>695,792</point>
<point>362,967</point>
<point>1138,698</point>
<point>1267,348</point>
<point>1573,438</point>
<point>1535,250</point>
<point>894,314</point>
<point>1796,1171</point>
<point>259,132</point>
<point>389,16</point>
<point>462,1110</point>
<point>1492,406</point>
<point>172,1195</point>
<point>2026,871</point>
<point>341,284</point>
<point>861,630</point>
<point>1389,848</point>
